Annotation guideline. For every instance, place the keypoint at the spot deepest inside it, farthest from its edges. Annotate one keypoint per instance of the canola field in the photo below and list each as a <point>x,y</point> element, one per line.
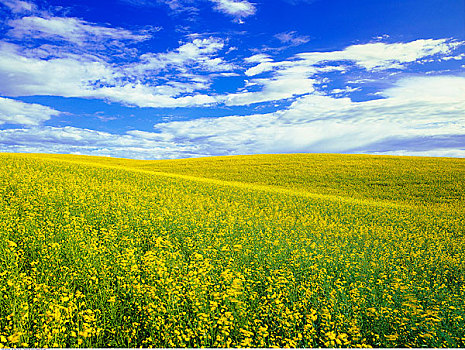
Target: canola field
<point>249,251</point>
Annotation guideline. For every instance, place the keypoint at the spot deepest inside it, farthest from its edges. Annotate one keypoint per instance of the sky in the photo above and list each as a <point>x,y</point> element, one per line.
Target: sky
<point>162,79</point>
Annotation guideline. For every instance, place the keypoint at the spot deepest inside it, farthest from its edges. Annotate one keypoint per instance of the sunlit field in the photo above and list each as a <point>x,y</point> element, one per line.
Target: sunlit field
<point>250,251</point>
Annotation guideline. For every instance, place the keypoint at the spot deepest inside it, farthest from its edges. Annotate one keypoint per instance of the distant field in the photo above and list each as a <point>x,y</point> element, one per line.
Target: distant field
<point>251,251</point>
<point>418,180</point>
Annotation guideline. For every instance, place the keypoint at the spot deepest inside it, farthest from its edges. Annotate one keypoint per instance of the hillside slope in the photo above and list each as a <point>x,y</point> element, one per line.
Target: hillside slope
<point>413,180</point>
<point>98,252</point>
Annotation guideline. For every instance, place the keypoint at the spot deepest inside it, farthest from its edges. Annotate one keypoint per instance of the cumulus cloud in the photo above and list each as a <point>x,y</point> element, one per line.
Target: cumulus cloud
<point>182,77</point>
<point>199,54</point>
<point>68,77</point>
<point>25,74</point>
<point>298,76</point>
<point>20,113</point>
<point>236,8</point>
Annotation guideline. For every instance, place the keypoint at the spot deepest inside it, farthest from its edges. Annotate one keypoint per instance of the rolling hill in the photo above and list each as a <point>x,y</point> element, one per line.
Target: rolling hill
<point>291,250</point>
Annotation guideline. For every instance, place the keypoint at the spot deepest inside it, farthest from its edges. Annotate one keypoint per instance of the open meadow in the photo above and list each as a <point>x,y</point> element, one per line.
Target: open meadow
<point>292,250</point>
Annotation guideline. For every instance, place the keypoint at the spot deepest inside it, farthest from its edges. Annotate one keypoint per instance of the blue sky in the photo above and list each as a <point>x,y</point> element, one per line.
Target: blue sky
<point>157,79</point>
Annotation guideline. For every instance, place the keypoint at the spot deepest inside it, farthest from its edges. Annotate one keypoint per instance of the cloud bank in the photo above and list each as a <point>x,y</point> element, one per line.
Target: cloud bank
<point>20,113</point>
<point>374,97</point>
<point>397,124</point>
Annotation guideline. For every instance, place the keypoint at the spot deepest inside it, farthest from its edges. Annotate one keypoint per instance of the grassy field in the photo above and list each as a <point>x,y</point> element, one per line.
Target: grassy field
<point>250,251</point>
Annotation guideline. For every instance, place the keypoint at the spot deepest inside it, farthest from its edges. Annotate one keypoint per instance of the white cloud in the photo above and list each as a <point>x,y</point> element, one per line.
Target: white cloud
<point>76,76</point>
<point>18,6</point>
<point>378,56</point>
<point>346,90</point>
<point>68,77</point>
<point>177,7</point>
<point>265,66</point>
<point>182,77</point>
<point>68,29</point>
<point>72,140</point>
<point>17,112</point>
<point>144,96</point>
<point>297,76</point>
<point>200,54</point>
<point>316,123</point>
<point>459,57</point>
<point>371,56</point>
<point>258,58</point>
<point>278,88</point>
<point>150,135</point>
<point>292,38</point>
<point>441,89</point>
<point>400,124</point>
<point>236,8</point>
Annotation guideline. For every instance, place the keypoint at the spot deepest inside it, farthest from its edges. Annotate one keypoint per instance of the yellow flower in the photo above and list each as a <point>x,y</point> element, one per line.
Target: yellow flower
<point>392,337</point>
<point>14,338</point>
